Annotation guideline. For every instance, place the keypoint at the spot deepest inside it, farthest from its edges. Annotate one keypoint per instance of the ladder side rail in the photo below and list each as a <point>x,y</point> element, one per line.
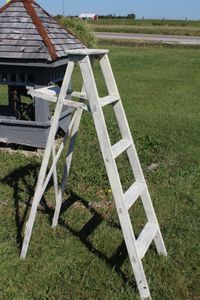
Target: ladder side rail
<point>151,216</point>
<point>131,151</point>
<point>113,90</point>
<point>113,176</point>
<point>121,118</point>
<point>55,177</point>
<point>44,165</point>
<point>72,136</point>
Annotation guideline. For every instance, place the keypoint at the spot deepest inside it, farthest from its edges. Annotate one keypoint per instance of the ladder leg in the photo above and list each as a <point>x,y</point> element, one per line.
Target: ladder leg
<point>135,260</point>
<point>113,177</point>
<point>150,212</point>
<point>121,118</point>
<point>131,152</point>
<point>55,177</point>
<point>43,169</point>
<point>68,160</point>
<point>59,197</point>
<point>146,199</point>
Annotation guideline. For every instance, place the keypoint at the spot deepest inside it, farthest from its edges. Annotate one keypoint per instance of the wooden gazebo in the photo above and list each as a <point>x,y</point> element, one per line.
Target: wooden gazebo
<point>32,54</point>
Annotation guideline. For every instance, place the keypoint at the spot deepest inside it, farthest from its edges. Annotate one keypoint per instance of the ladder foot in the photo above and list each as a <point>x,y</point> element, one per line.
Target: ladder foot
<point>28,231</point>
<point>145,294</point>
<point>160,245</point>
<point>57,210</point>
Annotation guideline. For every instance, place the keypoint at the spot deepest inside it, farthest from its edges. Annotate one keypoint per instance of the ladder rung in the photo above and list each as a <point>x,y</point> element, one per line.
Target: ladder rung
<point>108,100</point>
<point>120,147</point>
<point>75,104</point>
<point>79,95</point>
<point>132,194</point>
<point>145,238</point>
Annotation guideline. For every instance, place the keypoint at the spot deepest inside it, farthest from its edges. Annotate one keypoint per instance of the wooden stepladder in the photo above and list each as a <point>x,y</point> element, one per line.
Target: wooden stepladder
<point>123,200</point>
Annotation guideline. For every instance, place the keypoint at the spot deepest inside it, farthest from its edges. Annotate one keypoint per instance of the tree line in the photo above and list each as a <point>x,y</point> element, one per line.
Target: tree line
<point>113,16</point>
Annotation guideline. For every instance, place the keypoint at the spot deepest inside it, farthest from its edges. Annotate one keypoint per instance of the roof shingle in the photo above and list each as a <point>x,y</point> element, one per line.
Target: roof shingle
<point>28,32</point>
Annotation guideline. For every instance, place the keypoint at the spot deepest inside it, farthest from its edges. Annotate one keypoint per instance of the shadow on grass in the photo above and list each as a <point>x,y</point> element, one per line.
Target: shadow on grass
<point>18,180</point>
<point>120,255</point>
<point>21,177</point>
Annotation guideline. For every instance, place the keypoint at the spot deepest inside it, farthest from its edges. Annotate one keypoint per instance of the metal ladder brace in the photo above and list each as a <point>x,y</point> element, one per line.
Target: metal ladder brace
<point>123,201</point>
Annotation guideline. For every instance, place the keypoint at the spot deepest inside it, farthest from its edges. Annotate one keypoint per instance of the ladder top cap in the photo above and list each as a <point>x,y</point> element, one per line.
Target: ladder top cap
<point>87,52</point>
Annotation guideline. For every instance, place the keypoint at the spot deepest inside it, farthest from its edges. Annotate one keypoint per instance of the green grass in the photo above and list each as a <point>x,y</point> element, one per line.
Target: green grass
<point>84,257</point>
<point>80,30</point>
<point>172,27</point>
<point>190,31</point>
<point>146,22</point>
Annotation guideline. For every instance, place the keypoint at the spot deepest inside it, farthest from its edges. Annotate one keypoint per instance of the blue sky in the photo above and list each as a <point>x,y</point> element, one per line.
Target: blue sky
<point>170,9</point>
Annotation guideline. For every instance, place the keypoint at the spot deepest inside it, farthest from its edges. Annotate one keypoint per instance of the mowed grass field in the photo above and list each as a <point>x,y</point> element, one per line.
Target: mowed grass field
<point>85,257</point>
<point>147,22</point>
<point>171,27</point>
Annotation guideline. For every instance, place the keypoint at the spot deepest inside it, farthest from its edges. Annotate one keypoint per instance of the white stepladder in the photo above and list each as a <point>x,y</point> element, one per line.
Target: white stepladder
<point>136,247</point>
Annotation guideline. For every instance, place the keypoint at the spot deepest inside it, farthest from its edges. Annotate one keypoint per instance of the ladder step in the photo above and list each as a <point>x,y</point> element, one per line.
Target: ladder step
<point>145,238</point>
<point>79,95</point>
<point>120,147</point>
<point>108,100</point>
<point>132,194</point>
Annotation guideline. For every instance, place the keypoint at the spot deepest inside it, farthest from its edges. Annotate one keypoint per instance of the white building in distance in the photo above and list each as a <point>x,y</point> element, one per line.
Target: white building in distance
<point>88,16</point>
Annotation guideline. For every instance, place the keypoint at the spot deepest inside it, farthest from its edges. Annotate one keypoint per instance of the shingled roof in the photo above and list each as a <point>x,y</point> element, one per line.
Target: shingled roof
<point>27,31</point>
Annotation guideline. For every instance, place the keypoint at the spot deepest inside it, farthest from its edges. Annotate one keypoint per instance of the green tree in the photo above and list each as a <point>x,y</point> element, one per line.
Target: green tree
<point>80,29</point>
<point>131,16</point>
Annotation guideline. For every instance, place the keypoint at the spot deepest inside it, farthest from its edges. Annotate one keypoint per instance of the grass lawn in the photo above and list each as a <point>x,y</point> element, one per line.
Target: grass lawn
<point>172,27</point>
<point>85,257</point>
<point>146,22</point>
